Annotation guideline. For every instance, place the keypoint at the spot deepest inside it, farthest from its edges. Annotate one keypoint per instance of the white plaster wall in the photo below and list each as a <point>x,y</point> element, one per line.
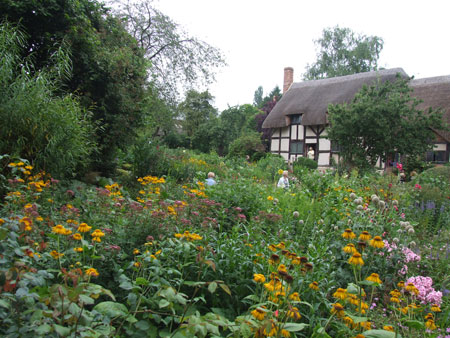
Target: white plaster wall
<point>310,140</point>
<point>309,132</point>
<point>276,132</point>
<point>274,146</point>
<point>300,132</point>
<point>439,147</point>
<point>324,144</point>
<point>285,132</point>
<point>324,133</point>
<point>324,159</point>
<point>285,156</point>
<point>284,145</point>
<point>294,132</point>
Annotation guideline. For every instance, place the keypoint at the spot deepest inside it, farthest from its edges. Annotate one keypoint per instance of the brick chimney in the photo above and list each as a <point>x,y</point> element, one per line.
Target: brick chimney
<point>288,78</point>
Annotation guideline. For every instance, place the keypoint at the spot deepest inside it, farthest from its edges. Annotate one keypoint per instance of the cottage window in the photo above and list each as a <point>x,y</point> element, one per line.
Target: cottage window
<point>296,119</point>
<point>435,156</point>
<point>296,147</point>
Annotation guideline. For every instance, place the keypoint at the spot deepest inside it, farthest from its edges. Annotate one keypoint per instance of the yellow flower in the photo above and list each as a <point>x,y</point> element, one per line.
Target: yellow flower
<point>294,313</point>
<point>78,249</point>
<point>374,277</point>
<point>282,268</point>
<point>389,328</point>
<point>84,227</point>
<point>92,272</point>
<point>340,294</point>
<point>395,300</point>
<point>348,234</point>
<point>137,264</point>
<point>136,252</point>
<point>430,324</point>
<point>259,313</point>
<point>59,229</point>
<point>295,296</point>
<point>356,259</point>
<point>349,248</point>
<point>269,198</point>
<point>338,310</point>
<point>281,245</point>
<point>2,221</point>
<point>377,242</point>
<point>96,239</point>
<point>56,255</point>
<point>365,236</point>
<point>314,286</point>
<point>97,233</point>
<point>401,284</point>
<point>259,278</point>
<point>77,237</point>
<point>411,288</point>
<point>435,308</point>
<point>285,333</point>
<point>280,171</point>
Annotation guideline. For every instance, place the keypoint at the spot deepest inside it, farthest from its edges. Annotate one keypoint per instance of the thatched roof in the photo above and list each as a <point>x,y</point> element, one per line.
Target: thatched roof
<point>435,93</point>
<point>311,98</point>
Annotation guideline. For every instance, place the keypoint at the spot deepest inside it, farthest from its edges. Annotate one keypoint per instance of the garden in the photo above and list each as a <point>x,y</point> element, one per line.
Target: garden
<point>162,254</point>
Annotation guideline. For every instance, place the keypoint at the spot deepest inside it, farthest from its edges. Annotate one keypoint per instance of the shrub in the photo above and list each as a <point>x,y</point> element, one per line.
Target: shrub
<point>249,144</point>
<point>51,131</point>
<point>305,163</point>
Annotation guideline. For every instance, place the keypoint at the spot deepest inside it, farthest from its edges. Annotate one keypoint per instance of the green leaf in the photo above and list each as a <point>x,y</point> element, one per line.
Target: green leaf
<point>143,325</point>
<point>86,299</point>
<point>141,281</point>
<point>294,327</point>
<point>111,309</point>
<point>225,288</point>
<point>414,324</point>
<point>4,304</point>
<point>380,334</point>
<point>163,303</point>
<point>357,319</point>
<point>61,330</point>
<point>212,287</point>
<point>43,329</point>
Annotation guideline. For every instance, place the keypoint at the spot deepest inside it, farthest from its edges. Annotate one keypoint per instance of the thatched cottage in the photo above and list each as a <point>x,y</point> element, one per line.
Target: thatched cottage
<point>299,119</point>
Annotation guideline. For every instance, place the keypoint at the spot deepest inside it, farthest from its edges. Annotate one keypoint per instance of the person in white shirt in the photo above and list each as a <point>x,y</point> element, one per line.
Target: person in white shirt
<point>210,180</point>
<point>311,153</point>
<point>283,182</point>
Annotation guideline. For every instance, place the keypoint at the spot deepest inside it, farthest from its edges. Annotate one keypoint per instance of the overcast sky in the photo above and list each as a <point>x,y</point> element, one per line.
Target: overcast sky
<point>261,37</point>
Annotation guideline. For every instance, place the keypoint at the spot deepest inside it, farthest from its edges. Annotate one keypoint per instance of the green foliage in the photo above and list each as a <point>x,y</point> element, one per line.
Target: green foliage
<point>342,52</point>
<point>382,118</point>
<point>304,162</point>
<point>108,68</point>
<point>249,144</point>
<point>149,158</point>
<point>53,132</point>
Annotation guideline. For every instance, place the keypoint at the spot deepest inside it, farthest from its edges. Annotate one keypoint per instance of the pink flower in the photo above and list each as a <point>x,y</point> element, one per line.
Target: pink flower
<point>399,166</point>
<point>418,186</point>
<point>427,294</point>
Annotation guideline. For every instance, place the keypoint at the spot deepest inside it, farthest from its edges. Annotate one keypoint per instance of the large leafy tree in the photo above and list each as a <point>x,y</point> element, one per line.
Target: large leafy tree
<point>382,119</point>
<point>108,67</point>
<point>344,52</point>
<point>177,58</point>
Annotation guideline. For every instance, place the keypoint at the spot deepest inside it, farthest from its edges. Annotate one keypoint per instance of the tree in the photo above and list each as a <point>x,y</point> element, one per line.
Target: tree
<point>52,131</point>
<point>176,57</point>
<point>258,97</point>
<point>195,110</point>
<point>343,52</point>
<point>382,119</point>
<point>108,67</point>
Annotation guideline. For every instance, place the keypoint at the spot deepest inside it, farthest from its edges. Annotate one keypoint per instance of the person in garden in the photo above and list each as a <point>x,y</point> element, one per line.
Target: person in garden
<point>311,153</point>
<point>210,180</point>
<point>283,182</point>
